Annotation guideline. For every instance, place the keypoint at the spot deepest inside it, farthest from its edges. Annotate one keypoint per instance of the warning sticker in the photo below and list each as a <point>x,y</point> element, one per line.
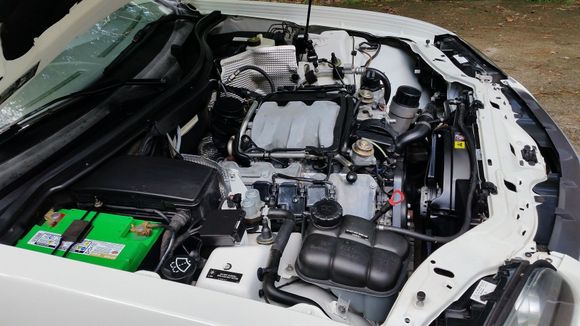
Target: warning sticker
<point>459,145</point>
<point>459,141</point>
<point>483,288</point>
<point>224,275</point>
<point>88,247</point>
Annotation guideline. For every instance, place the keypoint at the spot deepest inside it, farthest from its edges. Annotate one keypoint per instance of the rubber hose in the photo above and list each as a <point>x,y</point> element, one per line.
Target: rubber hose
<point>381,212</point>
<point>270,276</point>
<point>258,69</point>
<point>421,130</point>
<point>271,292</point>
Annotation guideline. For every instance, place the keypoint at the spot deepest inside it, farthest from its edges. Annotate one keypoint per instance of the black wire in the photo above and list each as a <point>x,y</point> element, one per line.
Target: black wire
<point>335,69</point>
<point>60,239</point>
<point>370,46</point>
<point>301,179</point>
<point>83,235</point>
<point>57,246</point>
<point>146,210</point>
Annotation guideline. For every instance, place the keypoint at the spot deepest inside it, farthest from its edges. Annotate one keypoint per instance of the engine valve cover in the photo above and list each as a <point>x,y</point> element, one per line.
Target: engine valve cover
<point>295,125</point>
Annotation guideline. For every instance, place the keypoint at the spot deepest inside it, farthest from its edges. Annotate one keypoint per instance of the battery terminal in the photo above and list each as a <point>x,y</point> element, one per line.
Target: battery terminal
<point>144,229</point>
<point>52,218</point>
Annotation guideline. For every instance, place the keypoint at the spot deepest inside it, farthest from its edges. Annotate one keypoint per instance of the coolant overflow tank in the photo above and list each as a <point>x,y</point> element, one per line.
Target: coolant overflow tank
<point>355,261</point>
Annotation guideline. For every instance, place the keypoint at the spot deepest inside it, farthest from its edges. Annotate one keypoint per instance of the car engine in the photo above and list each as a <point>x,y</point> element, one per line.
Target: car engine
<point>327,165</point>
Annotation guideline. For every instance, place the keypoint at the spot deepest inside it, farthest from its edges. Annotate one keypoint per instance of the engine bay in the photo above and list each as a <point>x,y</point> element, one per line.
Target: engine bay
<point>326,166</point>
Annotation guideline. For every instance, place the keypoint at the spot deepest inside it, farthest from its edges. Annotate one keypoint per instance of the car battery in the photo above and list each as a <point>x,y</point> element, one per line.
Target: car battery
<point>110,240</point>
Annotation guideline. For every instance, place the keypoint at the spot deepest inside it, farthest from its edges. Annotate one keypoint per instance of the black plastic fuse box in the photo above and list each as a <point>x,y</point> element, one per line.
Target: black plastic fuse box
<point>151,182</point>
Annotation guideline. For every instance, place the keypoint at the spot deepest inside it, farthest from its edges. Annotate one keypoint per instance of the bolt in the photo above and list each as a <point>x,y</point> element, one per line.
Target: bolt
<point>289,268</point>
<point>421,296</point>
<point>528,254</point>
<point>98,203</point>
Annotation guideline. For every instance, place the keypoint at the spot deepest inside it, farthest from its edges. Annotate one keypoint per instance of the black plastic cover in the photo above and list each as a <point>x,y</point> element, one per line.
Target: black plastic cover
<point>407,96</point>
<point>378,131</point>
<point>223,228</point>
<point>448,172</point>
<point>289,198</point>
<point>353,256</point>
<point>153,183</point>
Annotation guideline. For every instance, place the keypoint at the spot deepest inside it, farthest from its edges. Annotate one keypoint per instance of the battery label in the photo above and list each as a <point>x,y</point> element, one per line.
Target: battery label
<point>87,247</point>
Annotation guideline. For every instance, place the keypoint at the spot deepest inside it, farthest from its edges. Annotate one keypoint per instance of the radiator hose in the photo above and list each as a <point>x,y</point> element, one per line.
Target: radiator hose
<point>420,131</point>
<point>269,275</point>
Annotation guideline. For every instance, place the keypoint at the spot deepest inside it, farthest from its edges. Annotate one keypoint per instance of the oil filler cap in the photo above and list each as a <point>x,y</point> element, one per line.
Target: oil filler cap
<point>326,214</point>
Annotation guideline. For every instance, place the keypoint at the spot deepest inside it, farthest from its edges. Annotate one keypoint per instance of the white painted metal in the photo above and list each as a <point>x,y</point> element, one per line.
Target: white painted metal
<point>512,224</point>
<point>39,289</point>
<point>244,260</point>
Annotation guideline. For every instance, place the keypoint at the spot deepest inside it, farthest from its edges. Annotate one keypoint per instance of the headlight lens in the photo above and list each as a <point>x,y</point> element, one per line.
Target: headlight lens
<point>546,299</point>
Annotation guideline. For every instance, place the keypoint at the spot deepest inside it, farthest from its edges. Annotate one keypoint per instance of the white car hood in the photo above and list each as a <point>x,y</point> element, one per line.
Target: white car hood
<point>81,17</point>
<point>376,23</point>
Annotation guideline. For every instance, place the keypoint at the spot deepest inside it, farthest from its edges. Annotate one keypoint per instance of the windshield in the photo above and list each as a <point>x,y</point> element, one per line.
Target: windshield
<point>82,62</point>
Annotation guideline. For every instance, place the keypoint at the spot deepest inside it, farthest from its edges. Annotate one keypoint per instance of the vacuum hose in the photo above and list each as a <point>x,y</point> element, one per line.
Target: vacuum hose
<point>259,70</point>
